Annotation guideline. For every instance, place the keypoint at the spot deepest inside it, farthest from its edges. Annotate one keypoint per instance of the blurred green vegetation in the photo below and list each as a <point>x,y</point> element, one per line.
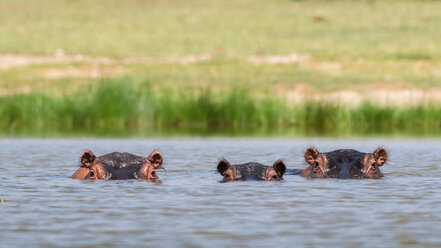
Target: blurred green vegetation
<point>370,29</point>
<point>124,104</point>
<point>211,66</point>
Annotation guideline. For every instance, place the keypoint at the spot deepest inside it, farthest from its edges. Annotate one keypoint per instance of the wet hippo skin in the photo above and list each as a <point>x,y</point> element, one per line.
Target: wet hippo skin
<point>344,163</point>
<point>251,171</point>
<point>118,166</point>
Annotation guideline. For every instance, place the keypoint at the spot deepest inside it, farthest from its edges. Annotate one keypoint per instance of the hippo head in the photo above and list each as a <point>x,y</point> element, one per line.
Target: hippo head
<point>344,163</point>
<point>118,165</point>
<point>251,171</point>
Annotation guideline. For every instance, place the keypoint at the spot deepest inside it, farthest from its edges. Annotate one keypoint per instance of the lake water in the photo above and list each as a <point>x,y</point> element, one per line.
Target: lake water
<point>41,206</point>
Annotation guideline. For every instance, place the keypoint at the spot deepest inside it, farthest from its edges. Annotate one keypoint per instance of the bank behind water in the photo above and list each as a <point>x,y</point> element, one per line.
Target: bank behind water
<point>124,107</point>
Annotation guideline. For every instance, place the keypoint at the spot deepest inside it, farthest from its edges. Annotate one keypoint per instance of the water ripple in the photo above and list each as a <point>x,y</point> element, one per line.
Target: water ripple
<point>188,207</point>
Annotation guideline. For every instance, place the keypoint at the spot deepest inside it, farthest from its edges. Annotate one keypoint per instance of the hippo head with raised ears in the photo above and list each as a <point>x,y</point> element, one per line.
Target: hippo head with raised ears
<point>344,163</point>
<point>117,166</point>
<point>251,171</point>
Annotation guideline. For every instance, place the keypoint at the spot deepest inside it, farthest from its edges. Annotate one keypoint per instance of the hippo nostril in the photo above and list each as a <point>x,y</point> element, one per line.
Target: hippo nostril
<point>91,174</point>
<point>153,174</point>
<point>316,166</point>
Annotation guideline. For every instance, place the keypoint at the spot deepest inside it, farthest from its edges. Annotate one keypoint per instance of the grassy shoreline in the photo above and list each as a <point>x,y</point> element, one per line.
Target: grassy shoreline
<point>124,104</point>
<point>239,66</point>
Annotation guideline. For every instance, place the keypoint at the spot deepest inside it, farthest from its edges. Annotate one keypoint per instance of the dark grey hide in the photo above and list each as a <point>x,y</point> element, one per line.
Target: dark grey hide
<point>121,165</point>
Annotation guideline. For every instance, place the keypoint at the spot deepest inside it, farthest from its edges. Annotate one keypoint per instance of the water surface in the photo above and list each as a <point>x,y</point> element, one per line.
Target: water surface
<point>41,206</point>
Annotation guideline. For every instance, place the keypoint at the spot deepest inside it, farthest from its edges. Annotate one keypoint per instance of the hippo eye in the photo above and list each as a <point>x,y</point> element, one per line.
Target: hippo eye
<point>316,164</point>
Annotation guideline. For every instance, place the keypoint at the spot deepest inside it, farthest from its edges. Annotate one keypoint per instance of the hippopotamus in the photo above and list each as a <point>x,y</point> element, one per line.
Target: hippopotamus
<point>251,171</point>
<point>117,166</point>
<point>344,163</point>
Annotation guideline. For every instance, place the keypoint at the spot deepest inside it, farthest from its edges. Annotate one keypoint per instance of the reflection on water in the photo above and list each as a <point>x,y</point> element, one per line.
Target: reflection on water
<point>240,131</point>
<point>41,206</point>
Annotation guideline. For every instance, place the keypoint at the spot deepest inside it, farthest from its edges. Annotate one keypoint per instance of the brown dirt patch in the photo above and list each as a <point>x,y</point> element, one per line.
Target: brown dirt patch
<point>386,96</point>
<point>279,59</point>
<point>9,61</point>
<point>83,72</point>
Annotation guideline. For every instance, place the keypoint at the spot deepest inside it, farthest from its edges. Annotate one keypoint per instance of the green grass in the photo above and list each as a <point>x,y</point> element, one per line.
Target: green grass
<point>379,29</point>
<point>124,104</point>
<point>394,41</point>
<point>361,46</point>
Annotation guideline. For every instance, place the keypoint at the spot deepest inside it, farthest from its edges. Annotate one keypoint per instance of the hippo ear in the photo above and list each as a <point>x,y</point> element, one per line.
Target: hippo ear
<point>380,155</point>
<point>310,155</point>
<point>155,159</point>
<point>223,166</point>
<point>280,167</point>
<point>87,158</point>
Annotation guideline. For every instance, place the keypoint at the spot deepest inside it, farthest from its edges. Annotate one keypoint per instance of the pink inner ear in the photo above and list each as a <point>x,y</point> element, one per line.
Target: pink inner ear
<point>380,152</point>
<point>311,153</point>
<point>156,159</point>
<point>223,166</point>
<point>279,167</point>
<point>87,158</point>
<point>381,155</point>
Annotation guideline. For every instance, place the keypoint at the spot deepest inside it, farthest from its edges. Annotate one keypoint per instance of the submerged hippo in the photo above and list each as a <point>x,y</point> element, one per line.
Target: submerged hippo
<point>116,165</point>
<point>344,163</point>
<point>251,171</point>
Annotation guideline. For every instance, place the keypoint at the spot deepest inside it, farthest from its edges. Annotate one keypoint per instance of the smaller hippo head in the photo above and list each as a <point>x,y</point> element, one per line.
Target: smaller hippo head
<point>251,171</point>
<point>118,165</point>
<point>344,163</point>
